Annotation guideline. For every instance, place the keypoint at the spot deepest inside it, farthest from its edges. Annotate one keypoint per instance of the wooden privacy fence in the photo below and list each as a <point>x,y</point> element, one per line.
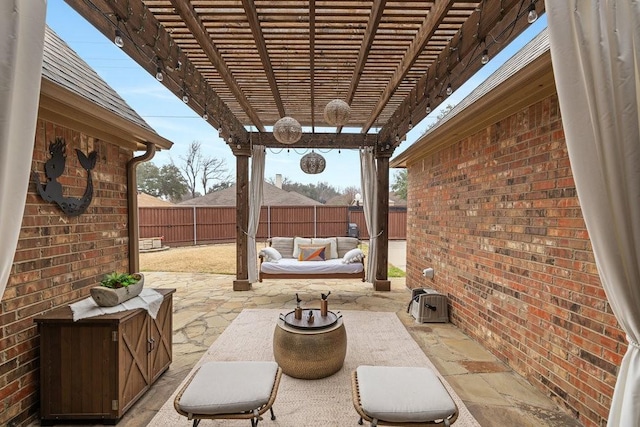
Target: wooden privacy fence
<point>198,225</point>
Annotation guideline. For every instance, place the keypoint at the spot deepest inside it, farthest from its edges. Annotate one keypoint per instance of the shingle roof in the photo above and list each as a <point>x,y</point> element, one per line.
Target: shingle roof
<point>148,201</point>
<point>529,52</point>
<point>63,66</point>
<point>272,196</point>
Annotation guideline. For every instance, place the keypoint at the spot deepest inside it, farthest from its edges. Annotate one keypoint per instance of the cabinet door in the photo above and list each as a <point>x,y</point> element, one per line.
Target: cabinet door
<point>133,372</point>
<point>161,330</point>
<point>77,365</point>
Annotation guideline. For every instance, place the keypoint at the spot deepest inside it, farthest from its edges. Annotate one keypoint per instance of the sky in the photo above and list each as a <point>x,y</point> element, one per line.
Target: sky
<point>175,121</point>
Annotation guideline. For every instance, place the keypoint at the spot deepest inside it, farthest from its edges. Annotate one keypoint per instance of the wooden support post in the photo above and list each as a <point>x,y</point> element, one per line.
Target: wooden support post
<point>381,282</point>
<point>242,220</point>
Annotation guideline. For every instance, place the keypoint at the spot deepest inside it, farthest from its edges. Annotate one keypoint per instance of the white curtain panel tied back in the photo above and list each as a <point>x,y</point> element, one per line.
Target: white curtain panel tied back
<point>369,190</point>
<point>258,157</point>
<point>22,26</point>
<point>595,49</point>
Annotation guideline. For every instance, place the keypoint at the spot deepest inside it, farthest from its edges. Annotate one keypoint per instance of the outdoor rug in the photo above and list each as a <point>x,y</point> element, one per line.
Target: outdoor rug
<point>373,338</point>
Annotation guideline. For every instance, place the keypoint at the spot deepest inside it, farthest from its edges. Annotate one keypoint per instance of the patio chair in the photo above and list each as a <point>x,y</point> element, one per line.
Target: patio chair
<point>401,396</point>
<point>230,390</point>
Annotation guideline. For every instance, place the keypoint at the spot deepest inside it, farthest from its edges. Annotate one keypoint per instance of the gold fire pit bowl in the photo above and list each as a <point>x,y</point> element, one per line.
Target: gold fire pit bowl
<point>310,350</point>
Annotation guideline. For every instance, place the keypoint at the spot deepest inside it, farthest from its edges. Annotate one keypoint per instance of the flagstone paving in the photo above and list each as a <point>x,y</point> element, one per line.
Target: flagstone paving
<point>205,304</point>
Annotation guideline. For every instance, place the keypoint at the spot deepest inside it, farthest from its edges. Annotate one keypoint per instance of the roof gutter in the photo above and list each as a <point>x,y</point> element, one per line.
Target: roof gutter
<point>132,202</point>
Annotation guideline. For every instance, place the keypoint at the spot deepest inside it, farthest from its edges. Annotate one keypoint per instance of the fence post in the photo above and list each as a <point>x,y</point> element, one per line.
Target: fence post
<point>315,221</point>
<point>195,227</point>
<point>269,221</point>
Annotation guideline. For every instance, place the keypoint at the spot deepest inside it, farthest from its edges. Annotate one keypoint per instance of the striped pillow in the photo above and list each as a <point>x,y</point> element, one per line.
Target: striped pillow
<point>312,253</point>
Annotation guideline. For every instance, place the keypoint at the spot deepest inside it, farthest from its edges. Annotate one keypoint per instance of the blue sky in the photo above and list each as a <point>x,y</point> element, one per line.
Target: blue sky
<point>172,119</point>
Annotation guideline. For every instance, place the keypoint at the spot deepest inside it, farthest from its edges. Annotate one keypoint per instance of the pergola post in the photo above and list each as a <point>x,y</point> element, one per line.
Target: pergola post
<point>242,218</point>
<point>381,282</point>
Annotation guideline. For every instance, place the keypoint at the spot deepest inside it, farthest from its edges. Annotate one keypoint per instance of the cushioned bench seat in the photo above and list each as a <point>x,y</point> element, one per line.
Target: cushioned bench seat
<point>230,390</point>
<point>401,396</point>
<point>327,258</point>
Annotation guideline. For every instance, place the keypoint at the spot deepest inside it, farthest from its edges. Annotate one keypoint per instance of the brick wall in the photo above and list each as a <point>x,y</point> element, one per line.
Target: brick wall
<point>497,217</point>
<point>58,259</point>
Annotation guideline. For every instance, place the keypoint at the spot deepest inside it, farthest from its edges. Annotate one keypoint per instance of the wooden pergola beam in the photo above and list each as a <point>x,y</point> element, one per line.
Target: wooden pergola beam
<point>427,30</point>
<point>193,23</point>
<point>377,10</point>
<point>312,66</point>
<point>258,37</point>
<point>498,21</point>
<point>318,140</point>
<point>146,40</point>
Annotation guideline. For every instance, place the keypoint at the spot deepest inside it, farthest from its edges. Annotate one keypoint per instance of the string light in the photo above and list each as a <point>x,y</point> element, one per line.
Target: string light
<point>428,107</point>
<point>159,75</point>
<point>205,116</point>
<point>118,40</point>
<point>485,57</point>
<point>449,90</point>
<point>410,123</point>
<point>185,97</point>
<point>532,16</point>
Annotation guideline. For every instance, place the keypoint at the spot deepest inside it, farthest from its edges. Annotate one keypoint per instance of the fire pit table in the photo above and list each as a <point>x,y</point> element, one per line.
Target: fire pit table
<point>310,350</point>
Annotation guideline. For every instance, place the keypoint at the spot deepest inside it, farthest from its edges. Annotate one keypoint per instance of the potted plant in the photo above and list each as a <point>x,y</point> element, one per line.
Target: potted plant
<point>117,288</point>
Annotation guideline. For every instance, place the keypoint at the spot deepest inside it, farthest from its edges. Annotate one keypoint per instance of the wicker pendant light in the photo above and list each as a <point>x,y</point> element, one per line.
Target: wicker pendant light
<point>337,112</point>
<point>287,130</point>
<point>312,163</point>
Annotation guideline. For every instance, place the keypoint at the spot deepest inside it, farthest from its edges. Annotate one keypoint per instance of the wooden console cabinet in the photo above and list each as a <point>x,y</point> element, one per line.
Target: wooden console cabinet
<point>97,368</point>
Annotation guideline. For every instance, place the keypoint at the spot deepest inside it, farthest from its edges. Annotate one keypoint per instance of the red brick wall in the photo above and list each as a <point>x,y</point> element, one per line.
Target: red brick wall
<point>497,217</point>
<point>58,259</point>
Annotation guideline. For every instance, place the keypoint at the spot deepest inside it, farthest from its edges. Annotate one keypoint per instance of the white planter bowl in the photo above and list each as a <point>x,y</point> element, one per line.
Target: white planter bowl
<point>107,297</point>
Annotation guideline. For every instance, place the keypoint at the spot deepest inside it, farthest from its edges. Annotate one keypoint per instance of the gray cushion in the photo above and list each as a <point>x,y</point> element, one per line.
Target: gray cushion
<point>345,244</point>
<point>229,387</point>
<point>284,245</point>
<point>403,394</point>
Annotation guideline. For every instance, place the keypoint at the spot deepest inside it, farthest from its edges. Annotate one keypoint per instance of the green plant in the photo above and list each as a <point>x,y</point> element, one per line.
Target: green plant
<point>119,280</point>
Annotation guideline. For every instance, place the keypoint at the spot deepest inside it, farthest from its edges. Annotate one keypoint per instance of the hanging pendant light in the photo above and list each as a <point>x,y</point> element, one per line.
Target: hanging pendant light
<point>287,130</point>
<point>312,163</point>
<point>337,112</point>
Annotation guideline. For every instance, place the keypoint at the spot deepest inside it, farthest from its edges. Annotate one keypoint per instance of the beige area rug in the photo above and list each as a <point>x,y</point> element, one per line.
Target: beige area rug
<point>373,338</point>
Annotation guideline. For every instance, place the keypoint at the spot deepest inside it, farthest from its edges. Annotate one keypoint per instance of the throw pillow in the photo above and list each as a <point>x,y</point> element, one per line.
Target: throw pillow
<point>284,245</point>
<point>345,244</point>
<point>312,253</point>
<point>354,255</point>
<point>332,242</point>
<point>297,241</point>
<point>270,254</point>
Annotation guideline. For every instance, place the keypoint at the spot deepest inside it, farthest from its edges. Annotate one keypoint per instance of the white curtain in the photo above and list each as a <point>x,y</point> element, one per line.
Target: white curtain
<point>595,49</point>
<point>368,183</point>
<point>22,26</point>
<point>255,203</point>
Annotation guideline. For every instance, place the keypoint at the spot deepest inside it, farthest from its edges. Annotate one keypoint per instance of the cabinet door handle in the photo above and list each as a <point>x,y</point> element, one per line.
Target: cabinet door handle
<point>151,345</point>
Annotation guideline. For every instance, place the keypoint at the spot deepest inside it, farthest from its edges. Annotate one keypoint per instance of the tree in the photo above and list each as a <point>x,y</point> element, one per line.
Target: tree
<point>197,168</point>
<point>399,185</point>
<point>320,192</point>
<point>166,182</point>
<point>148,177</point>
<point>172,184</point>
<point>351,192</point>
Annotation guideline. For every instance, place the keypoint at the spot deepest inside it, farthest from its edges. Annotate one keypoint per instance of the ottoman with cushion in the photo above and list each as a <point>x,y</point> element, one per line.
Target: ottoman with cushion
<point>230,390</point>
<point>401,396</point>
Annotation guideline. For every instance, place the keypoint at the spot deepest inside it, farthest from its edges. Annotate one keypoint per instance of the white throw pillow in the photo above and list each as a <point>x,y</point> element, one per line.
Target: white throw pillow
<point>333,245</point>
<point>297,241</point>
<point>270,254</point>
<point>354,255</point>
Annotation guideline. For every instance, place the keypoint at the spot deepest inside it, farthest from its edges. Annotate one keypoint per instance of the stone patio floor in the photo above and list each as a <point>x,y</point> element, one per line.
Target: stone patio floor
<point>205,304</point>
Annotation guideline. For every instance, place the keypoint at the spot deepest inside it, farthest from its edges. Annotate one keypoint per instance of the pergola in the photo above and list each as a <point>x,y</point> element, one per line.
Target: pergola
<point>244,64</point>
